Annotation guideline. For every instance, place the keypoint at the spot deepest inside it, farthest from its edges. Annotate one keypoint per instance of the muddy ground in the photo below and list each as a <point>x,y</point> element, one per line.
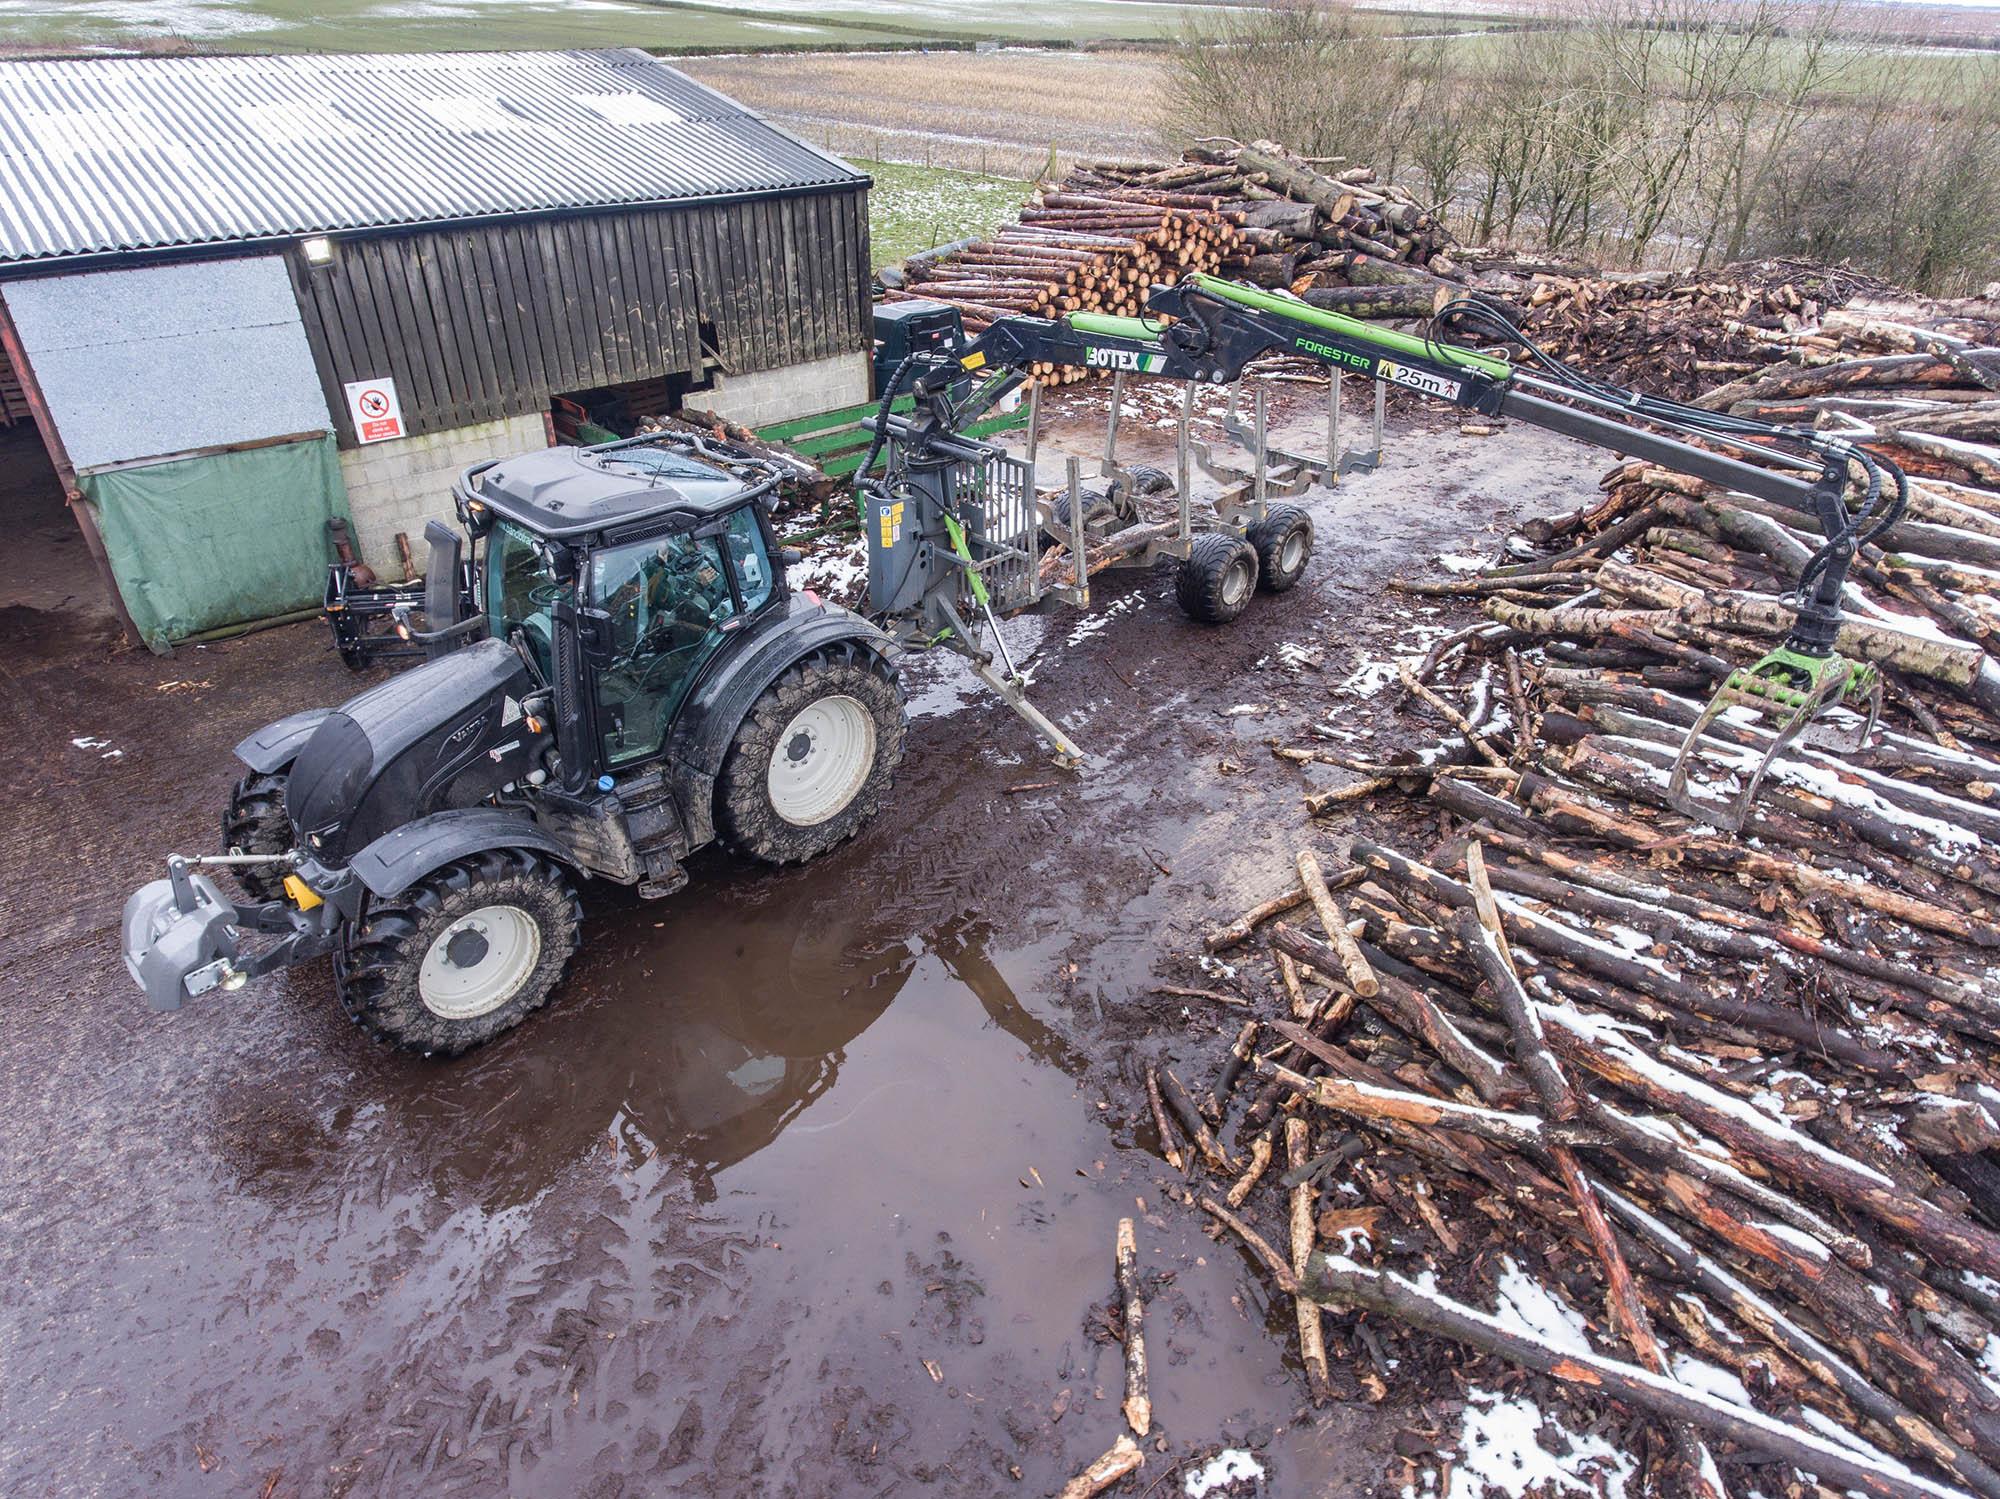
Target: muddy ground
<point>806,1184</point>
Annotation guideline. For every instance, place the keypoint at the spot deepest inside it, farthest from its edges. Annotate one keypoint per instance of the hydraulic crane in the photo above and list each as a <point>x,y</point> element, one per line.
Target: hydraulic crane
<point>934,534</point>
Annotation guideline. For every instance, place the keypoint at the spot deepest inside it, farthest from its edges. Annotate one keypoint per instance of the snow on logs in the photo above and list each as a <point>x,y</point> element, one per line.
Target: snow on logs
<point>1708,1120</point>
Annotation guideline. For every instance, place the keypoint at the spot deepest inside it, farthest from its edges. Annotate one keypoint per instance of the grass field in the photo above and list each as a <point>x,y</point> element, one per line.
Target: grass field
<point>29,26</point>
<point>915,208</point>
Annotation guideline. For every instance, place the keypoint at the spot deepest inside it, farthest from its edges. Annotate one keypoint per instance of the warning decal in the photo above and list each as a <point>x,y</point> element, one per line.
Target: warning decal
<point>376,412</point>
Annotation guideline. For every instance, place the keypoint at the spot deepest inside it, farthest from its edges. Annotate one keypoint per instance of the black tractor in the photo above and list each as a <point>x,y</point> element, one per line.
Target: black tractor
<point>634,681</point>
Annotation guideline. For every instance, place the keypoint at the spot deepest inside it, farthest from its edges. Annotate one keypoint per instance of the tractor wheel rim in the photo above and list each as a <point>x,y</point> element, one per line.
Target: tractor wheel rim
<point>1292,553</point>
<point>1236,583</point>
<point>479,962</point>
<point>822,760</point>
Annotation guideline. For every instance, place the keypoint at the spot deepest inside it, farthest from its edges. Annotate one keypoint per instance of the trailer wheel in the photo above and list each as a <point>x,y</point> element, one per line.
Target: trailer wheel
<point>469,951</point>
<point>1218,578</point>
<point>1147,480</point>
<point>1100,513</point>
<point>254,822</point>
<point>1284,543</point>
<point>814,757</point>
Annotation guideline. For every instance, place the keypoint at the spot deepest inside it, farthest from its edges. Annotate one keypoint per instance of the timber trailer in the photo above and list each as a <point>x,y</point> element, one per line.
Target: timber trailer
<point>622,676</point>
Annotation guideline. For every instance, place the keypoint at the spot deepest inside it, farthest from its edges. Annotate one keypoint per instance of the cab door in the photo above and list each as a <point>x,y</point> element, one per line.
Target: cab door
<point>668,604</point>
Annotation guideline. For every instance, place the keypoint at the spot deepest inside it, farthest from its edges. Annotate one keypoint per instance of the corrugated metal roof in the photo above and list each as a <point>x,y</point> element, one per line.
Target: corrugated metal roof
<point>152,153</point>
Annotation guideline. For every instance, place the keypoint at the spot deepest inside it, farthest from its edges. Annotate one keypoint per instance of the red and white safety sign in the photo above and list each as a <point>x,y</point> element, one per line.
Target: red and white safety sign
<point>377,414</point>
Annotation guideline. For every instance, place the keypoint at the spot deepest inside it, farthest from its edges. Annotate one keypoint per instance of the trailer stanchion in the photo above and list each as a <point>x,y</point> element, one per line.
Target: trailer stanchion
<point>1109,468</point>
<point>1259,455</point>
<point>1080,588</point>
<point>1333,427</point>
<point>1184,465</point>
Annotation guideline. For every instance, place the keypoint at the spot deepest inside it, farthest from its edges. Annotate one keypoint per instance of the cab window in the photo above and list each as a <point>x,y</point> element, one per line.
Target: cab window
<point>521,591</point>
<point>751,558</point>
<point>666,599</point>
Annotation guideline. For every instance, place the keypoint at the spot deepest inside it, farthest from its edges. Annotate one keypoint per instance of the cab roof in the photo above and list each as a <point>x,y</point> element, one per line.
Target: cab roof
<point>563,492</point>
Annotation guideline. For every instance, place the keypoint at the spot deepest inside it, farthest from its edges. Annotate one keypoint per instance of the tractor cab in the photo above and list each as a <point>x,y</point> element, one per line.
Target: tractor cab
<point>619,573</point>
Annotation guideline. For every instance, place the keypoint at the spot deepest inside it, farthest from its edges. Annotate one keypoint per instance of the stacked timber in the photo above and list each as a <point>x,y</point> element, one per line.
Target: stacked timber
<point>1687,1138</point>
<point>1098,240</point>
<point>1075,248</point>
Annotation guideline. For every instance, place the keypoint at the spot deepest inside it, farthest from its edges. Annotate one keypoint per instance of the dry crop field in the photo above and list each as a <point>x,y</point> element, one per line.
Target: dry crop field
<point>999,112</point>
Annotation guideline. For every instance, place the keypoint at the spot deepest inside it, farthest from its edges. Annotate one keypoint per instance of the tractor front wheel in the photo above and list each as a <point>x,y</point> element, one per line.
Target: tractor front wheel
<point>1218,578</point>
<point>813,759</point>
<point>254,822</point>
<point>469,951</point>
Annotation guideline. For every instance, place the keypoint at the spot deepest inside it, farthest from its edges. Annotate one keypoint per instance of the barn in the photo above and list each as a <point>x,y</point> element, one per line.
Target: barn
<point>242,297</point>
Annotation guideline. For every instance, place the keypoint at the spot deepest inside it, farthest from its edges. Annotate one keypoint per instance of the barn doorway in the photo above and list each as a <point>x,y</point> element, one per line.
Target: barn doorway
<point>608,412</point>
<point>52,592</point>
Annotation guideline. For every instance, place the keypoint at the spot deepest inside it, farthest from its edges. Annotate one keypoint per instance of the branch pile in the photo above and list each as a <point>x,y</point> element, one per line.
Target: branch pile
<point>1726,1109</point>
<point>1676,334</point>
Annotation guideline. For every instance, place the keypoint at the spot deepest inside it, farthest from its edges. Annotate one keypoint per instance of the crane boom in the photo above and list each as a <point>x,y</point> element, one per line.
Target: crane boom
<point>1205,330</point>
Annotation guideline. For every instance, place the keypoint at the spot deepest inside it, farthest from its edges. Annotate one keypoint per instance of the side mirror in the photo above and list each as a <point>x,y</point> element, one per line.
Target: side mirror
<point>593,635</point>
<point>791,556</point>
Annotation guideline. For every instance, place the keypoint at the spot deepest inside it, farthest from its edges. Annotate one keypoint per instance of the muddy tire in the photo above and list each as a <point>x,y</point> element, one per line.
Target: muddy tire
<point>1100,514</point>
<point>1218,578</point>
<point>254,822</point>
<point>814,757</point>
<point>1284,543</point>
<point>469,951</point>
<point>1147,480</point>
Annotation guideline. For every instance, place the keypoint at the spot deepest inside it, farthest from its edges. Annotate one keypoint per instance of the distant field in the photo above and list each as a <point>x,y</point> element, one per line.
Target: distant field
<point>30,27</point>
<point>668,25</point>
<point>917,208</point>
<point>1000,113</point>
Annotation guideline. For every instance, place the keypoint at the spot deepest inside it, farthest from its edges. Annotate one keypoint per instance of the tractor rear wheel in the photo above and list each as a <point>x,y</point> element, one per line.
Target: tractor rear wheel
<point>1218,578</point>
<point>254,822</point>
<point>1284,543</point>
<point>469,951</point>
<point>814,757</point>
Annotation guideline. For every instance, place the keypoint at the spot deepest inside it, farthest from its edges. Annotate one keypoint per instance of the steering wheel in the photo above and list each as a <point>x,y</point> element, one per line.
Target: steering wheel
<point>548,595</point>
<point>657,642</point>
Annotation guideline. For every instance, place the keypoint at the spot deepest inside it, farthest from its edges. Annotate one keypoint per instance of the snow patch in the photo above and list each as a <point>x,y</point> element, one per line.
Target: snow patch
<point>1232,1465</point>
<point>1500,1449</point>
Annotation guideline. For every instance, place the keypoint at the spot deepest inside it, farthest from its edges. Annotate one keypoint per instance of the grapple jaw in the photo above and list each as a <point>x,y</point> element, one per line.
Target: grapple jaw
<point>1790,688</point>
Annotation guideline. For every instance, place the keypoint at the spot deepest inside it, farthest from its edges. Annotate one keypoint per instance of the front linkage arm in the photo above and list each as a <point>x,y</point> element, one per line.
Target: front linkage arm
<point>1220,326</point>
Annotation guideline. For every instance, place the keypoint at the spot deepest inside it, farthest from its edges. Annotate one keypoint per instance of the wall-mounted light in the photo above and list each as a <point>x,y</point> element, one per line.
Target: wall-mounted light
<point>318,250</point>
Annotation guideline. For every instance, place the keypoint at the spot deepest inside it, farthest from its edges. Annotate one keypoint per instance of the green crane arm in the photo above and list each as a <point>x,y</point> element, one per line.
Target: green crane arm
<point>1216,327</point>
<point>1219,326</point>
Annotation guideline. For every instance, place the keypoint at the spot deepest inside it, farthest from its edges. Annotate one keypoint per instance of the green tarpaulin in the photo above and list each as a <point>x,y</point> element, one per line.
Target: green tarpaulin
<point>218,539</point>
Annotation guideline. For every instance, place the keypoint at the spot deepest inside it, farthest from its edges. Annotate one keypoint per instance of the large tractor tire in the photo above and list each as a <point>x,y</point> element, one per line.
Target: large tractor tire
<point>254,822</point>
<point>1218,578</point>
<point>469,951</point>
<point>1284,543</point>
<point>814,757</point>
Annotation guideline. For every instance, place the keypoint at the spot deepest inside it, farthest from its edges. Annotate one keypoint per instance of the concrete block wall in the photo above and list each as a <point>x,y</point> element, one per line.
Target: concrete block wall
<point>796,390</point>
<point>398,485</point>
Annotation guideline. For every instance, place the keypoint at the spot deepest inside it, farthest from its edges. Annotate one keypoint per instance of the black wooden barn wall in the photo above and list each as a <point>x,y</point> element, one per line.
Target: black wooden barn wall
<point>485,322</point>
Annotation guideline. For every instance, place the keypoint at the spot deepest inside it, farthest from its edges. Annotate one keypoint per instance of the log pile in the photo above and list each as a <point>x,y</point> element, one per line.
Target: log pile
<point>1676,334</point>
<point>1097,240</point>
<point>1087,244</point>
<point>1730,1104</point>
